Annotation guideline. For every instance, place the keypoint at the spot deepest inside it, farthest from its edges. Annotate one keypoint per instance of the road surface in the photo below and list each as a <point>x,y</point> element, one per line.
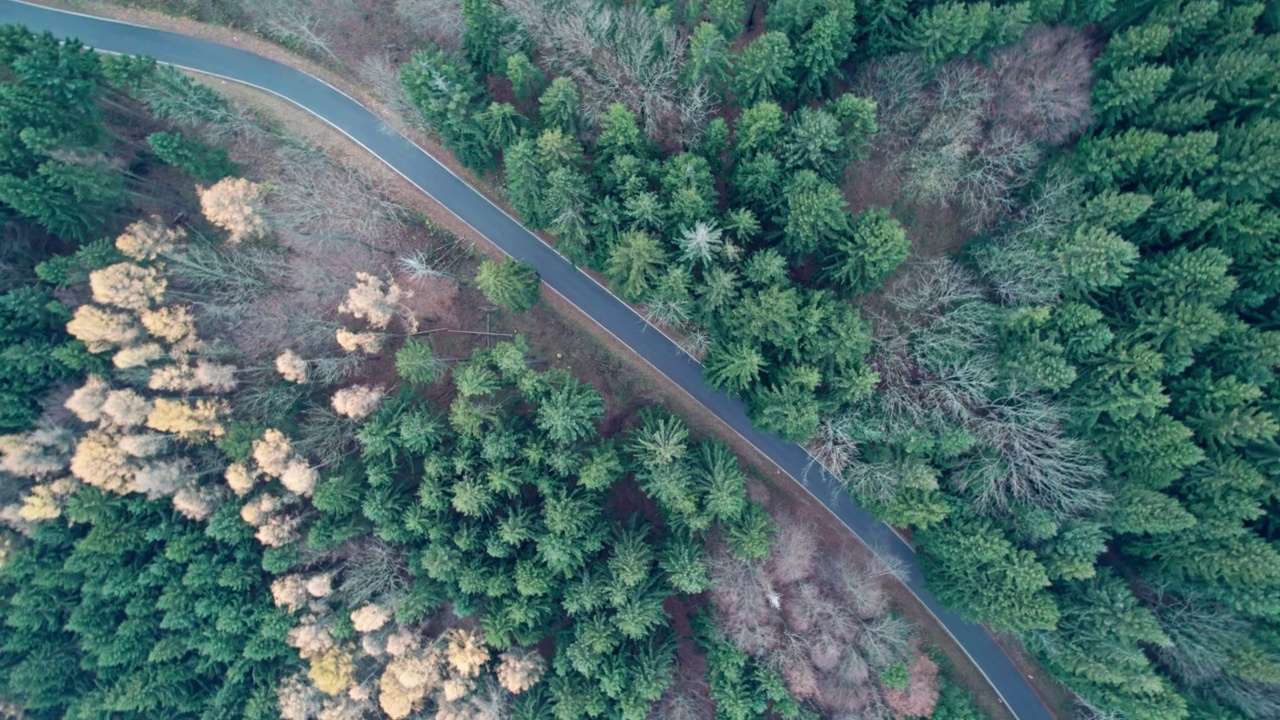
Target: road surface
<point>592,299</point>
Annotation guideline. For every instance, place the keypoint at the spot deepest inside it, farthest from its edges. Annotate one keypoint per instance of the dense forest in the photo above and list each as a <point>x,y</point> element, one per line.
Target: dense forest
<point>1008,268</point>
<point>220,505</point>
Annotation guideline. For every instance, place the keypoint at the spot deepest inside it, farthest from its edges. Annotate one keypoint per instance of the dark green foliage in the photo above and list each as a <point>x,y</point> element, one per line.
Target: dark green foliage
<point>33,353</point>
<point>743,688</point>
<point>416,362</point>
<point>133,611</point>
<point>974,568</point>
<point>509,284</point>
<point>202,162</point>
<point>52,134</point>
<point>450,97</point>
<point>875,245</point>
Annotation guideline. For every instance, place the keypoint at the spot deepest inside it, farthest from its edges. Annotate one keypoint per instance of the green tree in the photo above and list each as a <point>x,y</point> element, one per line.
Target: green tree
<point>635,263</point>
<point>416,362</point>
<point>620,135</point>
<point>526,79</point>
<point>813,214</point>
<point>509,284</point>
<point>736,367</point>
<point>762,71</point>
<point>815,143</point>
<point>502,124</point>
<point>204,163</point>
<point>874,247</point>
<point>1129,92</point>
<point>759,129</point>
<point>450,96</point>
<point>708,58</point>
<point>481,40</point>
<point>567,414</point>
<point>525,176</point>
<point>972,566</point>
<point>561,106</point>
<point>1095,259</point>
<point>789,410</point>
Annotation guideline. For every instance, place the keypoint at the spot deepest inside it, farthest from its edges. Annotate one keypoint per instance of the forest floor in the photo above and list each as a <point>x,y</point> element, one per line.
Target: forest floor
<point>558,334</point>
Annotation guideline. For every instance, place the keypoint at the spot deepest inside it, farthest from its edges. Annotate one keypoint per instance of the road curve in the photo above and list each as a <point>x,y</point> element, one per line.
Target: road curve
<point>593,300</point>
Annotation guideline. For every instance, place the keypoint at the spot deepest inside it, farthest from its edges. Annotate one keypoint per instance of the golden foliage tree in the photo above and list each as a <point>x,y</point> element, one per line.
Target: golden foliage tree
<point>99,461</point>
<point>369,618</point>
<point>196,420</point>
<point>240,478</point>
<point>520,669</point>
<point>357,401</point>
<point>136,356</point>
<point>235,205</point>
<point>43,451</point>
<point>128,286</point>
<point>86,402</point>
<point>292,367</point>
<point>466,652</point>
<point>369,343</point>
<point>100,329</point>
<point>272,452</point>
<point>333,671</point>
<point>374,300</point>
<point>299,477</point>
<point>147,239</point>
<point>174,325</point>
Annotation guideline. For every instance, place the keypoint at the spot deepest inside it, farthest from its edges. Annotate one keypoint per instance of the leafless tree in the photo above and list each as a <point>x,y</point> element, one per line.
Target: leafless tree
<point>1035,462</point>
<point>885,640</point>
<point>373,572</point>
<point>618,54</point>
<point>437,20</point>
<point>1043,83</point>
<point>307,25</point>
<point>321,198</point>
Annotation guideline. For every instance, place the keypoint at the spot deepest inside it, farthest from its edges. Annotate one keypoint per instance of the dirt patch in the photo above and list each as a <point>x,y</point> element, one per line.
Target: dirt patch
<point>934,229</point>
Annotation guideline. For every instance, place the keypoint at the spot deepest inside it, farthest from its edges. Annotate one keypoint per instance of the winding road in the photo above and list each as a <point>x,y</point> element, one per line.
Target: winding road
<point>593,300</point>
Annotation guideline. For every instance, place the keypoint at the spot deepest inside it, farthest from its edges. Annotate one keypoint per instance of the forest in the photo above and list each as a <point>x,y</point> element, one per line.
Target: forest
<point>1007,269</point>
<point>220,506</point>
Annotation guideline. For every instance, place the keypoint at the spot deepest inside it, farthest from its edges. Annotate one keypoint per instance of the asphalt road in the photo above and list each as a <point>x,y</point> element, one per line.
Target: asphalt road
<point>359,124</point>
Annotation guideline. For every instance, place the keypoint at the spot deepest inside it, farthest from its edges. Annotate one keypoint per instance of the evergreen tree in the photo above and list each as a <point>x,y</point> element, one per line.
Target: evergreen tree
<point>509,284</point>
<point>561,106</point>
<point>972,566</point>
<point>874,246</point>
<point>762,71</point>
<point>482,39</point>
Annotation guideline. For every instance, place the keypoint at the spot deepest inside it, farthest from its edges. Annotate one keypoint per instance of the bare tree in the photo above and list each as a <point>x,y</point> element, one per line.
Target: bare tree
<point>1043,83</point>
<point>437,20</point>
<point>618,54</point>
<point>373,571</point>
<point>306,25</point>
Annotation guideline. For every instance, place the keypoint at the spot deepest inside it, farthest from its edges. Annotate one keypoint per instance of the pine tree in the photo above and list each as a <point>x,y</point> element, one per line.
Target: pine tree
<point>972,566</point>
<point>510,284</point>
<point>561,106</point>
<point>736,367</point>
<point>708,58</point>
<point>874,246</point>
<point>204,163</point>
<point>502,124</point>
<point>526,79</point>
<point>762,71</point>
<point>635,263</point>
<point>813,215</point>
<point>568,413</point>
<point>481,42</point>
<point>524,175</point>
